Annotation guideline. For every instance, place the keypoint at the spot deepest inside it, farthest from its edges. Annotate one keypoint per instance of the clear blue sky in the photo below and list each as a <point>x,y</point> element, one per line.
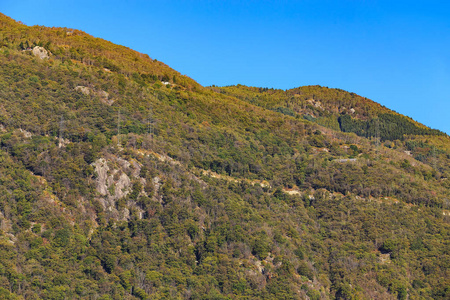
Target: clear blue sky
<point>396,53</point>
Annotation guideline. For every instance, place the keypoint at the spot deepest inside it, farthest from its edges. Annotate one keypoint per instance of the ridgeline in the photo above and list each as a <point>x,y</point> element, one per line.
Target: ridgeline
<point>120,178</point>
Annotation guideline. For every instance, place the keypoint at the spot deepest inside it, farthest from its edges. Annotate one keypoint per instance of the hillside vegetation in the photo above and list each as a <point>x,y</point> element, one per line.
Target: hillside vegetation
<point>122,179</point>
<point>333,108</point>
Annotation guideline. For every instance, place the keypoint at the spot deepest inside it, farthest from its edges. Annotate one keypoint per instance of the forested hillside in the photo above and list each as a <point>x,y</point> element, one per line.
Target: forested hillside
<point>122,179</point>
<point>333,108</point>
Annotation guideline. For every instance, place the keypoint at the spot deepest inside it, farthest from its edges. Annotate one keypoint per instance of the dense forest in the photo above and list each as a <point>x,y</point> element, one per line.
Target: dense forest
<point>120,178</point>
<point>333,108</point>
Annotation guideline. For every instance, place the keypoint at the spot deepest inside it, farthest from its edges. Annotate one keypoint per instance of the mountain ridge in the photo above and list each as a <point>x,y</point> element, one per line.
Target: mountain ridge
<point>121,178</point>
<point>167,74</point>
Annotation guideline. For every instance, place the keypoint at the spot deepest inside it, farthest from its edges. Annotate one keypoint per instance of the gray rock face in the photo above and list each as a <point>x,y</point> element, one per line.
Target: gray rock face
<point>113,184</point>
<point>101,167</point>
<point>83,89</point>
<point>103,95</point>
<point>40,52</point>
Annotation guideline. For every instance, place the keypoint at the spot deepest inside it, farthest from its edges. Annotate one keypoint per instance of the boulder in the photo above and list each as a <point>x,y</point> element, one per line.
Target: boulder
<point>40,52</point>
<point>83,89</point>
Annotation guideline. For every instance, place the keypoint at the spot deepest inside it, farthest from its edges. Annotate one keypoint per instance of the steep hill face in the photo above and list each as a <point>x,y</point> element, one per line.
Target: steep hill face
<point>333,108</point>
<point>121,178</point>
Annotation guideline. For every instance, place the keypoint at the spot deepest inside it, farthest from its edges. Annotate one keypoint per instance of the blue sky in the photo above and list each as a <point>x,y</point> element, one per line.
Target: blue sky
<point>396,53</point>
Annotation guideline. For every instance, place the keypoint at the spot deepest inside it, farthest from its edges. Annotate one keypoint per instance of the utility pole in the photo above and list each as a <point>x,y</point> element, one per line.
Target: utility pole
<point>433,153</point>
<point>118,128</point>
<point>61,131</point>
<point>150,128</point>
<point>377,133</point>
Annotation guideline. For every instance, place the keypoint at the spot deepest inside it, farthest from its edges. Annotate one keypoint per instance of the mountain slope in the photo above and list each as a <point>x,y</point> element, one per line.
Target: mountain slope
<point>121,178</point>
<point>333,108</point>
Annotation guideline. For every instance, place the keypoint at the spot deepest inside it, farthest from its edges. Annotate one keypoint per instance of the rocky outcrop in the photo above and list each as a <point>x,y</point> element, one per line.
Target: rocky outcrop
<point>114,184</point>
<point>40,52</point>
<point>83,89</point>
<point>26,134</point>
<point>114,181</point>
<point>103,95</point>
<point>101,168</point>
